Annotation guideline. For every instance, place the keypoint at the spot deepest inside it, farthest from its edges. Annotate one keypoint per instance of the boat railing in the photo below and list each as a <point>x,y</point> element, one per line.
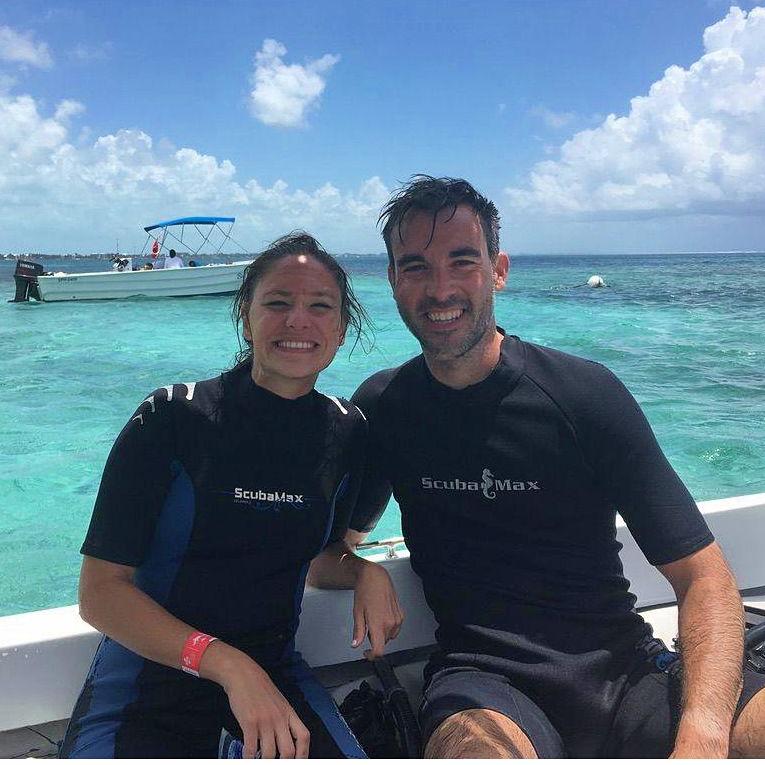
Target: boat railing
<point>388,545</point>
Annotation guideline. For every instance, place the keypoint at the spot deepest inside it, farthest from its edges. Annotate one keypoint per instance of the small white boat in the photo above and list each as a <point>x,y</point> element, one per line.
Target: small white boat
<point>125,280</point>
<point>45,655</point>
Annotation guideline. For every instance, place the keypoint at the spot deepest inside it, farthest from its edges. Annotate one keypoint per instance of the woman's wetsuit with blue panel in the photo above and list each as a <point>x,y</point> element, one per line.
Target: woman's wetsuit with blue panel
<point>219,493</point>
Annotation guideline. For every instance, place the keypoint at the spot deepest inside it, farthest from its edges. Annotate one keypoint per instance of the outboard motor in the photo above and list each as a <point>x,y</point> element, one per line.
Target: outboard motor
<point>25,276</point>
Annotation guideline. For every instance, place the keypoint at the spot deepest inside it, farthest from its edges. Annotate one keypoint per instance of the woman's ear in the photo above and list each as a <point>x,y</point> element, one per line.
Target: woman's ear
<point>245,314</point>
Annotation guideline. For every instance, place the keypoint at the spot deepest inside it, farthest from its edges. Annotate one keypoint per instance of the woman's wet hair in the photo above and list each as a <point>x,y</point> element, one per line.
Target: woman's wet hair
<point>426,194</point>
<point>352,312</point>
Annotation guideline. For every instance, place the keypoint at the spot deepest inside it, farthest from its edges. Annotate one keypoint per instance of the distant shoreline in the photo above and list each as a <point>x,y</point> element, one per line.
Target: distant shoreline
<point>382,255</point>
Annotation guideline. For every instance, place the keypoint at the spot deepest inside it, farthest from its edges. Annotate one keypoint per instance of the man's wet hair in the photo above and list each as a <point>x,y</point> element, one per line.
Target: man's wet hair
<point>426,194</point>
<point>352,312</point>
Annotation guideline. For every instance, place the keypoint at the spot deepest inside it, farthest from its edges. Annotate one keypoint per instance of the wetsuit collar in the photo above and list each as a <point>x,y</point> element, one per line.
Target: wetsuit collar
<point>502,379</point>
<point>255,398</point>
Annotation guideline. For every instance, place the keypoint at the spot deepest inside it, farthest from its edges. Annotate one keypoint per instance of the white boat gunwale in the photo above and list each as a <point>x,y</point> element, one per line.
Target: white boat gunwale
<point>44,655</point>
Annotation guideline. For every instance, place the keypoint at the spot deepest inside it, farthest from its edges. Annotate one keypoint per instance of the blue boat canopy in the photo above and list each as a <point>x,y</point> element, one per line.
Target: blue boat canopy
<point>211,221</point>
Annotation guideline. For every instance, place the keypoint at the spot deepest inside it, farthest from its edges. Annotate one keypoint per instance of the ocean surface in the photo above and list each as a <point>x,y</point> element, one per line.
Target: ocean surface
<point>686,333</point>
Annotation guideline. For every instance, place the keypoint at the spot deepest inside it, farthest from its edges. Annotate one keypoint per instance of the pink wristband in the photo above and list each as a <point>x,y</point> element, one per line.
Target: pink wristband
<point>193,649</point>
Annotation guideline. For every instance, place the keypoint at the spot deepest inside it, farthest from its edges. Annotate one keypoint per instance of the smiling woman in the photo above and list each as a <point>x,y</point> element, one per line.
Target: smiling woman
<point>295,304</point>
<point>214,500</point>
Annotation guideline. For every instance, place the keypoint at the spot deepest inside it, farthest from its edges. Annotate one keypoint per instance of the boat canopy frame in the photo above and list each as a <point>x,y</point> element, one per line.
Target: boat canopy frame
<point>159,233</point>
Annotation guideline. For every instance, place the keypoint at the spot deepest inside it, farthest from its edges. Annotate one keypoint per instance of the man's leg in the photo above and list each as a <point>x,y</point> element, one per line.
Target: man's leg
<point>479,733</point>
<point>645,724</point>
<point>468,712</point>
<point>748,736</point>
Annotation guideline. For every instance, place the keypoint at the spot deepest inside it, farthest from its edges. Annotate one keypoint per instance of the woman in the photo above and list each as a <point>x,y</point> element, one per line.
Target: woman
<point>214,500</point>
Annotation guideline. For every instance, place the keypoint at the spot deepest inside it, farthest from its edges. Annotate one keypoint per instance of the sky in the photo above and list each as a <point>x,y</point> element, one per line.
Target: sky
<point>624,126</point>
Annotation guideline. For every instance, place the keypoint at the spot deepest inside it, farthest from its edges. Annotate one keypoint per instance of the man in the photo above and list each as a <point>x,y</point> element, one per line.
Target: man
<point>173,260</point>
<point>509,462</point>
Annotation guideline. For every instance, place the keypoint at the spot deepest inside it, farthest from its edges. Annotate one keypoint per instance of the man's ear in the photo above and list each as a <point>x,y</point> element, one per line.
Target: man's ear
<point>501,270</point>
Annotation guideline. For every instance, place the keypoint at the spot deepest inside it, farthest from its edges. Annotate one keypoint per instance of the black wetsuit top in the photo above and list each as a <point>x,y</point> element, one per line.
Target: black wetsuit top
<point>509,491</point>
<point>219,493</point>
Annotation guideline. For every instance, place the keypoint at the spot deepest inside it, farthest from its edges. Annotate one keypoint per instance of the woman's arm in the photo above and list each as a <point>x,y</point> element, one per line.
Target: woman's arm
<point>376,610</point>
<point>110,602</point>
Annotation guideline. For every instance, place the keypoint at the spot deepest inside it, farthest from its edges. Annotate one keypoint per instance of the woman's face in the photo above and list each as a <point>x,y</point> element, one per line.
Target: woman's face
<point>294,324</point>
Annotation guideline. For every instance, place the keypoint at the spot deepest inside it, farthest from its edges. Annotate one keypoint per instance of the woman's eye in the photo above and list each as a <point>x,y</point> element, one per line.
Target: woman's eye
<point>322,305</point>
<point>275,304</point>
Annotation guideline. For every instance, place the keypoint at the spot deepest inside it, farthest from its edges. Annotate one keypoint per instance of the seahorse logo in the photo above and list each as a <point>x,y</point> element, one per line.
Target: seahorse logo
<point>487,481</point>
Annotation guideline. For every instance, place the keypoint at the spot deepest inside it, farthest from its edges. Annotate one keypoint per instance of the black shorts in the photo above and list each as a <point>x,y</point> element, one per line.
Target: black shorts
<point>169,714</point>
<point>639,720</point>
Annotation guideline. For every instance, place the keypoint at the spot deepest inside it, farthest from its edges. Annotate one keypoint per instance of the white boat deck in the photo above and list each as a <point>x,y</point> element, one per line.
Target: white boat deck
<point>44,655</point>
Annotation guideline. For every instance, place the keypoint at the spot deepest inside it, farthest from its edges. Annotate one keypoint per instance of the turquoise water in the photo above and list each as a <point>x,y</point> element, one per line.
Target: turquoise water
<point>685,333</point>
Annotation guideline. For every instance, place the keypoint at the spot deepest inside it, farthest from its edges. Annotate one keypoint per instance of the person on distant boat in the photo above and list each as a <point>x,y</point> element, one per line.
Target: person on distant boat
<point>509,462</point>
<point>214,500</point>
<point>173,260</point>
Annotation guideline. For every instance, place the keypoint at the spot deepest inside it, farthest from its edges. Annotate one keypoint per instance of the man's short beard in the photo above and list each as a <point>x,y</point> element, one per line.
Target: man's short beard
<point>485,321</point>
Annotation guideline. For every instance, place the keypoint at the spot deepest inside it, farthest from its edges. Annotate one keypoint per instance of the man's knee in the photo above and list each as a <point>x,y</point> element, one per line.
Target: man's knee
<point>748,737</point>
<point>479,733</point>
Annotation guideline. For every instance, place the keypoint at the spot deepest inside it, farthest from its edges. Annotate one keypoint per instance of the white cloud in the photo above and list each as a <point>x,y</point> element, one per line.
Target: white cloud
<point>68,109</point>
<point>282,94</point>
<point>694,144</point>
<point>555,120</point>
<point>7,82</point>
<point>21,48</point>
<point>91,189</point>
<point>86,54</point>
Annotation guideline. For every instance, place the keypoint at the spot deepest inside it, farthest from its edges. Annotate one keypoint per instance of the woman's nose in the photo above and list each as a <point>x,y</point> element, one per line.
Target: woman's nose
<point>297,317</point>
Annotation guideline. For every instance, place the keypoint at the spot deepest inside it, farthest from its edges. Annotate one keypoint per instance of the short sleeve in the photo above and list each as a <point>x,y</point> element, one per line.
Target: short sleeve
<point>627,460</point>
<point>134,485</point>
<point>374,489</point>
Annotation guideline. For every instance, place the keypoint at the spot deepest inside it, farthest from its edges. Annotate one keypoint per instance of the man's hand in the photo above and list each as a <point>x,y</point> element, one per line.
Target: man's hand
<point>375,609</point>
<point>700,747</point>
<point>711,628</point>
<point>700,737</point>
<point>267,720</point>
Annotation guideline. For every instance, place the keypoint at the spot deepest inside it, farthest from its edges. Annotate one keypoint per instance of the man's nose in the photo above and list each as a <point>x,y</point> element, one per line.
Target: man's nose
<point>440,286</point>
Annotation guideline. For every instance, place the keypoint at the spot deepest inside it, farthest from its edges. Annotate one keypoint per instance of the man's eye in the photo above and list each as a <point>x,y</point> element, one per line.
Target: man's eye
<point>413,268</point>
<point>275,304</point>
<point>322,305</point>
<point>463,263</point>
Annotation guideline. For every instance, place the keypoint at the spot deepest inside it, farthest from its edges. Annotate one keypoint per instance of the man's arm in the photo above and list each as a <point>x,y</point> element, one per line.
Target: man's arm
<point>711,628</point>
<point>376,610</point>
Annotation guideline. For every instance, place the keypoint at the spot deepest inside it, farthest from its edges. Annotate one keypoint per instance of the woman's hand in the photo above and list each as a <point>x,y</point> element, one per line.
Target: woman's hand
<point>267,720</point>
<point>376,610</point>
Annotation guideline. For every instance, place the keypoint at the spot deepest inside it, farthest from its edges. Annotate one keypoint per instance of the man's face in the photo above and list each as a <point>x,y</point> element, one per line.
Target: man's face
<point>444,289</point>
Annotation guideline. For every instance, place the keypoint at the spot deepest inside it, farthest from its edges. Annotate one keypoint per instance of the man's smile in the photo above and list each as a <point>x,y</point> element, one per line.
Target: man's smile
<point>442,317</point>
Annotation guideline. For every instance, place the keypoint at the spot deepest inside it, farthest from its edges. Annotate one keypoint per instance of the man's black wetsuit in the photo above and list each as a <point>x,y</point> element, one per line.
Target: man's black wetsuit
<point>508,492</point>
<point>219,493</point>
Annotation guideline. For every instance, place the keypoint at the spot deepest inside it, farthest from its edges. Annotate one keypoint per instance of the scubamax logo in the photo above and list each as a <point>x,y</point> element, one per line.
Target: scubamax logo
<point>489,486</point>
<point>259,495</point>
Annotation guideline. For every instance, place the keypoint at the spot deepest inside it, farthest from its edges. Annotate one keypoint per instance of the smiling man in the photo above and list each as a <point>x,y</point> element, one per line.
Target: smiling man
<point>509,462</point>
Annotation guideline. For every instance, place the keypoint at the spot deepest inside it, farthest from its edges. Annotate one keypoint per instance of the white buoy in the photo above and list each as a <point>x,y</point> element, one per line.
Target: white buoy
<point>596,281</point>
